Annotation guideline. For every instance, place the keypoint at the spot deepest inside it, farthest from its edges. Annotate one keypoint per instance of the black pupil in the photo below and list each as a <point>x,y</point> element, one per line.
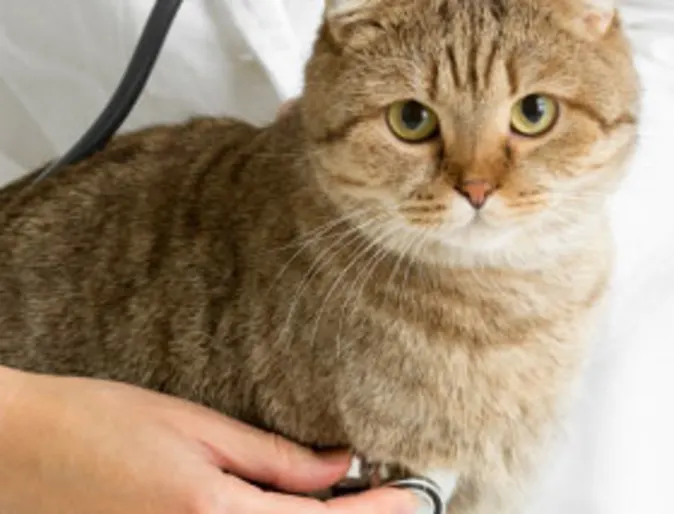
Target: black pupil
<point>533,108</point>
<point>414,115</point>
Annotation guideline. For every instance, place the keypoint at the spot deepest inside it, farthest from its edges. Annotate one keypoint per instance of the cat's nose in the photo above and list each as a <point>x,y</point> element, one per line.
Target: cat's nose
<point>476,192</point>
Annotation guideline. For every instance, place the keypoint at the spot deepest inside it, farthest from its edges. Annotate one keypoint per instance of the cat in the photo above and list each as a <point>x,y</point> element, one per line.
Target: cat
<point>407,263</point>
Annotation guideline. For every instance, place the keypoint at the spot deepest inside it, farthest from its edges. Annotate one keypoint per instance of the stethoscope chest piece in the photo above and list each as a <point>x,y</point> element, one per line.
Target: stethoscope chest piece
<point>434,489</point>
<point>427,491</point>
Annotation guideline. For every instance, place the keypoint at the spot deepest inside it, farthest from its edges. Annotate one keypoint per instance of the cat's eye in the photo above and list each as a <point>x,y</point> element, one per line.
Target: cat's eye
<point>412,121</point>
<point>534,115</point>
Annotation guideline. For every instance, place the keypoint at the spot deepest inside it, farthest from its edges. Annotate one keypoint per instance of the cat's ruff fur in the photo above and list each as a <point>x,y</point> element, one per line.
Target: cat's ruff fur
<point>320,278</point>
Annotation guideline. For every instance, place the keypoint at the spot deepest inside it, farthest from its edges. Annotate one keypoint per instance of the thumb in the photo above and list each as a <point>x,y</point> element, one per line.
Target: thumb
<point>266,458</point>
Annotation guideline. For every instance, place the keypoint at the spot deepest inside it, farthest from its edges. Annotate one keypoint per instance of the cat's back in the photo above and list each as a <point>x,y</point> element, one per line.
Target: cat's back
<point>85,253</point>
<point>159,154</point>
<point>139,178</point>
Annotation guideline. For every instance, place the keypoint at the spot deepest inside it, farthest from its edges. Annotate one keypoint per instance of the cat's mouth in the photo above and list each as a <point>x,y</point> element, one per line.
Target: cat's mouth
<point>474,229</point>
<point>475,232</point>
<point>464,220</point>
<point>459,225</point>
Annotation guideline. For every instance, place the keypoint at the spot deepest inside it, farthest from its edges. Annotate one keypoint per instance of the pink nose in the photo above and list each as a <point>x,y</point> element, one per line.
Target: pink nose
<point>476,192</point>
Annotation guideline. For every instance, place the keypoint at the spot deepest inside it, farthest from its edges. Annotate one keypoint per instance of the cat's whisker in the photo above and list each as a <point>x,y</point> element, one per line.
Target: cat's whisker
<point>353,234</point>
<point>404,255</point>
<point>318,265</point>
<point>376,241</point>
<point>572,197</point>
<point>564,214</point>
<point>414,256</point>
<point>378,257</point>
<point>411,251</point>
<point>341,318</point>
<point>315,233</point>
<point>316,238</point>
<point>353,257</point>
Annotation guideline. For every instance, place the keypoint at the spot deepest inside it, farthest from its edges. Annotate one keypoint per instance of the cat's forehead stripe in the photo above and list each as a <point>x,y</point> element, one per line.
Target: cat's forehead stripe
<point>490,62</point>
<point>454,67</point>
<point>470,60</point>
<point>513,76</point>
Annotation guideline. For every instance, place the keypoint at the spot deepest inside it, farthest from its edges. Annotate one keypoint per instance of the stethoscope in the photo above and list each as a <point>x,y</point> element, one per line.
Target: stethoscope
<point>435,490</point>
<point>129,89</point>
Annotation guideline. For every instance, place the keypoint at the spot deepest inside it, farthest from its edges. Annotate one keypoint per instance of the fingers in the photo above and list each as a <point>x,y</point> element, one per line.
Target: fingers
<point>384,501</point>
<point>238,497</point>
<point>262,457</point>
<point>272,460</point>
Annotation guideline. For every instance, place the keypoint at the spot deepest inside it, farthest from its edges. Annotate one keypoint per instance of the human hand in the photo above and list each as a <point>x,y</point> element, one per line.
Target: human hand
<point>79,446</point>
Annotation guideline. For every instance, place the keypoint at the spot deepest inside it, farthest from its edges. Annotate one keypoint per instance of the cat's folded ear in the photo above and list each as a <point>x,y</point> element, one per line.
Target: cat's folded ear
<point>592,19</point>
<point>352,22</point>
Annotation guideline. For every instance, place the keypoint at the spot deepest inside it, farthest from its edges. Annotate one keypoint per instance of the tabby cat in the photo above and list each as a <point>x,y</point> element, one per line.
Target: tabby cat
<point>408,263</point>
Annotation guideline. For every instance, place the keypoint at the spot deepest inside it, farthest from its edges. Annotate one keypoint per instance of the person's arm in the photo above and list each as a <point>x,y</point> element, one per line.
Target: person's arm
<point>83,446</point>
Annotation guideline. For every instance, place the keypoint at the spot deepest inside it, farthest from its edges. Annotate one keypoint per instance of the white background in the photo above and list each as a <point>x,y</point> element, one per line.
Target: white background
<point>61,59</point>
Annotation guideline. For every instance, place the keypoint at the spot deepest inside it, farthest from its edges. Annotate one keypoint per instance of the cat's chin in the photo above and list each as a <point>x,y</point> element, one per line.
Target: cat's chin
<point>471,243</point>
<point>477,236</point>
<point>488,238</point>
<point>522,245</point>
<point>471,251</point>
<point>478,240</point>
<point>475,244</point>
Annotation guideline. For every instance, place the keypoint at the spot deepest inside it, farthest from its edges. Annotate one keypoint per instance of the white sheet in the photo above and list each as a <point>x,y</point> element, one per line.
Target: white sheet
<point>60,59</point>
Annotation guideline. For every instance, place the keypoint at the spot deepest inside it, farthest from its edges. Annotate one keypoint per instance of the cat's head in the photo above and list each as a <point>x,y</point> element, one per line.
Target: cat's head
<point>481,130</point>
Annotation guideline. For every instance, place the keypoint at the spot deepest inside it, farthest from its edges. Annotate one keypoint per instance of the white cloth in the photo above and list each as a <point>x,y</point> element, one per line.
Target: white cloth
<point>61,59</point>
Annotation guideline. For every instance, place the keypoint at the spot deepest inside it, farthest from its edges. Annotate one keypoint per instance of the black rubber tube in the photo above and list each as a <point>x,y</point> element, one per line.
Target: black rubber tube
<point>129,90</point>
